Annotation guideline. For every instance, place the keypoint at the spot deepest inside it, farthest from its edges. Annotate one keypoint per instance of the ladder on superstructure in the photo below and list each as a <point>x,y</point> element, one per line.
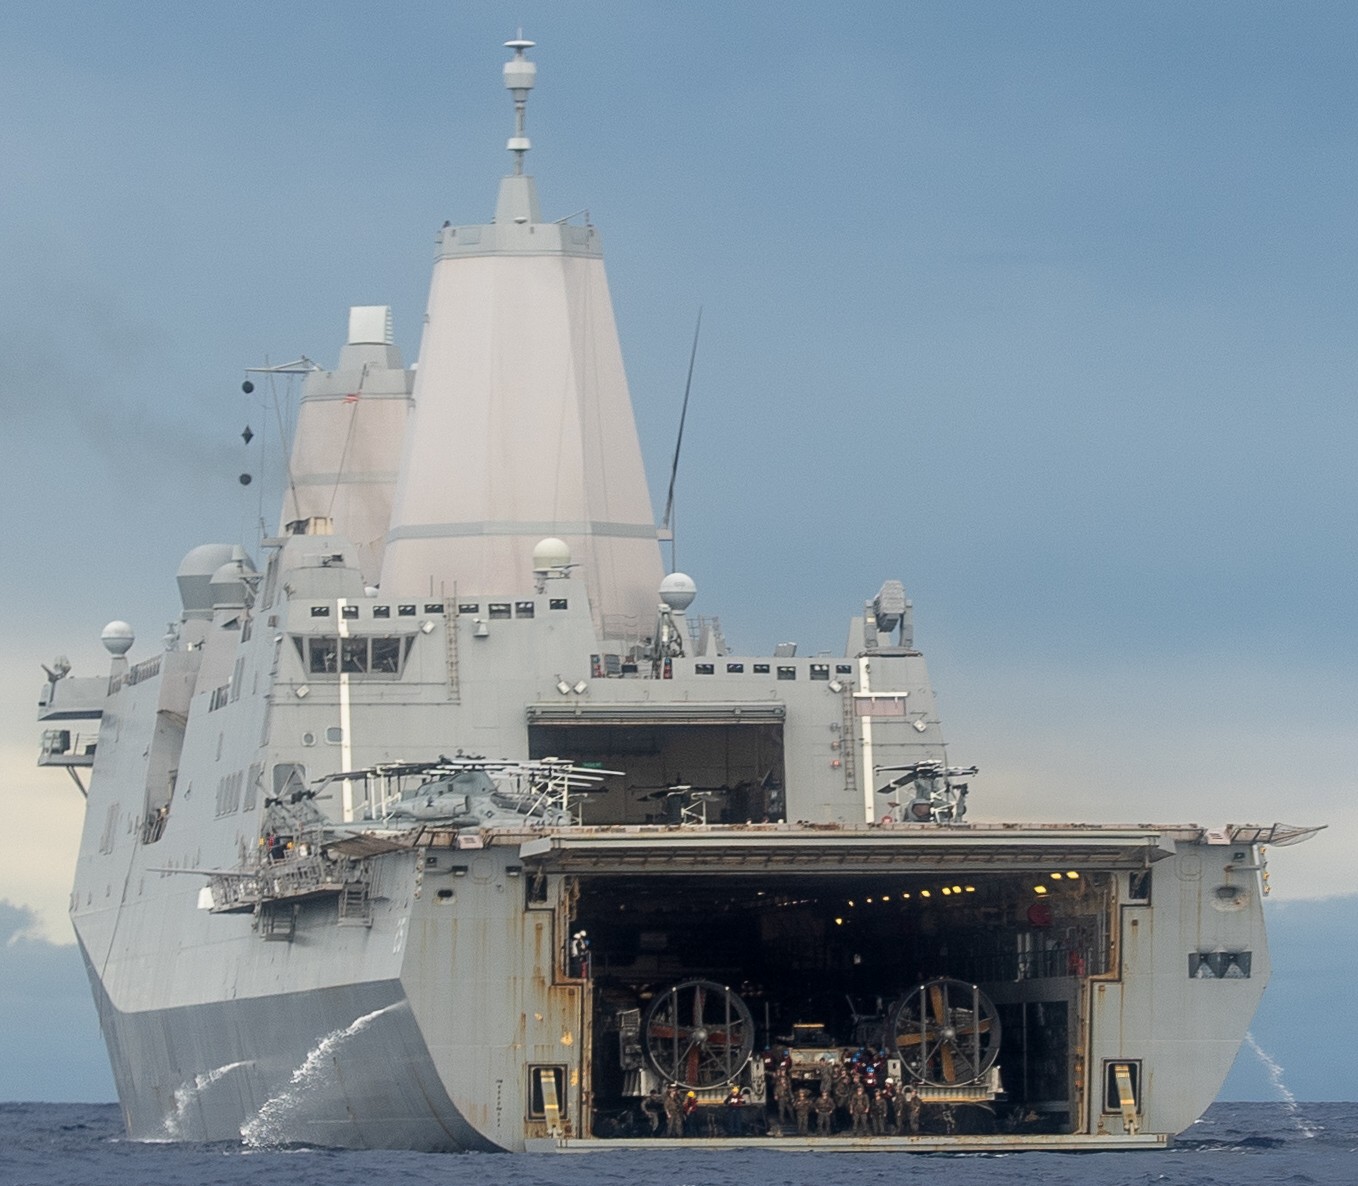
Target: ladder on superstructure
<point>848,741</point>
<point>450,626</point>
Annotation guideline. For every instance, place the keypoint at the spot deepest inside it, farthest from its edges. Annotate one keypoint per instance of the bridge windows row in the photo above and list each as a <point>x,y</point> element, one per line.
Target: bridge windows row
<point>366,655</point>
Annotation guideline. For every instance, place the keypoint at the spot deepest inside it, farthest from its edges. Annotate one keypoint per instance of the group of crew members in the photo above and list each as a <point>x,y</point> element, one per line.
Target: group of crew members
<point>853,1096</point>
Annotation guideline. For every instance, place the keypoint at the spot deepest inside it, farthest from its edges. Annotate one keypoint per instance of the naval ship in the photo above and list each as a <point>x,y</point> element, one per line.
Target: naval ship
<point>451,827</point>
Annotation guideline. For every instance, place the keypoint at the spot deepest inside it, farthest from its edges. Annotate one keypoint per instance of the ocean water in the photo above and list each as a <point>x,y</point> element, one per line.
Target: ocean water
<point>1280,1144</point>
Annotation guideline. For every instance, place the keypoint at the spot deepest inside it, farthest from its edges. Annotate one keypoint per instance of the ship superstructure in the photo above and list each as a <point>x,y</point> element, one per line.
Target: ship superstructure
<point>449,828</point>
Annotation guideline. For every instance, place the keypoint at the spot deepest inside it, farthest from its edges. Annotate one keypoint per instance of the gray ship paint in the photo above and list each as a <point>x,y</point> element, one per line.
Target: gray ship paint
<point>452,829</point>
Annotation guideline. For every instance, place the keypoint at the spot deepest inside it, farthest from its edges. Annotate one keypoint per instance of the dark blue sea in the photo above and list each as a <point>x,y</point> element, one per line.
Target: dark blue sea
<point>1252,1144</point>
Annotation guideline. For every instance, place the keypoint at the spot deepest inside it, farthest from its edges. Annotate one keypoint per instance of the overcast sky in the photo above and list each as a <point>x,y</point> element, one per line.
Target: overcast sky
<point>1047,310</point>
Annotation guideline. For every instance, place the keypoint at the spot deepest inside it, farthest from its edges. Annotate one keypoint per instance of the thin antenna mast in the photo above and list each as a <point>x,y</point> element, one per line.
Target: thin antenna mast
<point>520,74</point>
<point>299,366</point>
<point>679,441</point>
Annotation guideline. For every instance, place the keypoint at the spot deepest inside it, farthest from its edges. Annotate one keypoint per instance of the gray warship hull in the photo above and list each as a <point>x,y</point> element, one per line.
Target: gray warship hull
<point>430,1026</point>
<point>450,829</point>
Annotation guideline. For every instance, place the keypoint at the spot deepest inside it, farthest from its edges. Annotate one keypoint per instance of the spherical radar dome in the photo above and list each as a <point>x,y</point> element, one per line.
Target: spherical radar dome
<point>118,638</point>
<point>551,553</point>
<point>678,591</point>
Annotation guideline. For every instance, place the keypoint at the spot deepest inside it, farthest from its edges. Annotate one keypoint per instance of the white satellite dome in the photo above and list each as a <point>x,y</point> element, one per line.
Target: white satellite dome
<point>118,638</point>
<point>678,591</point>
<point>551,553</point>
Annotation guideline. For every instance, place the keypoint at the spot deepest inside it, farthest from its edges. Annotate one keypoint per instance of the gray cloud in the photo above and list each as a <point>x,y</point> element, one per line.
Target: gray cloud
<point>53,1050</point>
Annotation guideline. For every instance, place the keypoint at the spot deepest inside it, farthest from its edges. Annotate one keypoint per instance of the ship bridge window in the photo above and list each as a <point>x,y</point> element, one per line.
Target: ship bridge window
<point>843,669</point>
<point>349,611</point>
<point>353,655</point>
<point>381,611</point>
<point>498,609</point>
<point>386,655</point>
<point>469,607</point>
<point>524,609</point>
<point>787,672</point>
<point>325,654</point>
<point>704,669</point>
<point>405,611</point>
<point>820,671</point>
<point>735,668</point>
<point>557,603</point>
<point>320,611</point>
<point>761,669</point>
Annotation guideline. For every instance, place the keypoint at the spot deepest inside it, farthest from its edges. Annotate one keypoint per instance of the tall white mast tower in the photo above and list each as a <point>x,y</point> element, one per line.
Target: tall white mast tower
<point>523,426</point>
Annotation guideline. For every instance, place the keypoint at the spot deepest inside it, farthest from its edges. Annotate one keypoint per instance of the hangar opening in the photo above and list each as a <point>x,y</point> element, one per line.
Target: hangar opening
<point>684,763</point>
<point>963,989</point>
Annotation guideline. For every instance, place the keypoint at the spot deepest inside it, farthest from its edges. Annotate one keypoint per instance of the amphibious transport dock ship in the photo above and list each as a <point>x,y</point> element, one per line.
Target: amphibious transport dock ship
<point>450,829</point>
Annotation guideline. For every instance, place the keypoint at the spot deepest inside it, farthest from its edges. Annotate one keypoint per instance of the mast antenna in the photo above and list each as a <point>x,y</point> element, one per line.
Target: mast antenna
<point>679,440</point>
<point>520,75</point>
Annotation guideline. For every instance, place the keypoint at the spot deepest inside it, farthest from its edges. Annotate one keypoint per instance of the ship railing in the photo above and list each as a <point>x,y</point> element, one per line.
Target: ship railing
<point>289,878</point>
<point>232,892</point>
<point>62,747</point>
<point>146,669</point>
<point>296,876</point>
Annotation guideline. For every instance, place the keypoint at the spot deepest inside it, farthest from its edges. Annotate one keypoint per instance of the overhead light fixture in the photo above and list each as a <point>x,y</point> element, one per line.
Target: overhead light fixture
<point>1073,875</point>
<point>427,627</point>
<point>946,891</point>
<point>835,686</point>
<point>919,724</point>
<point>580,688</point>
<point>301,691</point>
<point>1039,889</point>
<point>924,893</point>
<point>479,629</point>
<point>563,687</point>
<point>1056,877</point>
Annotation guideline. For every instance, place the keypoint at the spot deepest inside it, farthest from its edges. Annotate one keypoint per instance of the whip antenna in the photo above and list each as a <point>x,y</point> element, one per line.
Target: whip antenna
<point>679,441</point>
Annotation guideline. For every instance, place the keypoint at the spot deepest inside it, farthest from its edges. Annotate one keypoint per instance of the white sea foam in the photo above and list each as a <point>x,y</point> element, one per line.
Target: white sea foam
<point>187,1094</point>
<point>1275,1076</point>
<point>271,1124</point>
